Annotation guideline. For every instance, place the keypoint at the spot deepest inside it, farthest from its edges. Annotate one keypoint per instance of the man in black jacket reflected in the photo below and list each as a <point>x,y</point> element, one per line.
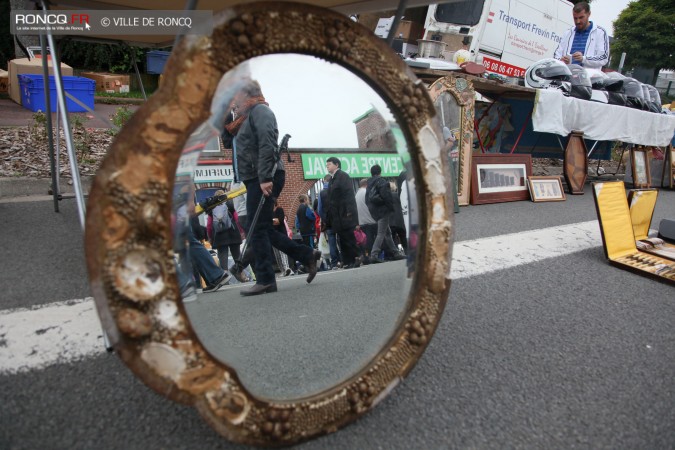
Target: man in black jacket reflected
<point>341,212</point>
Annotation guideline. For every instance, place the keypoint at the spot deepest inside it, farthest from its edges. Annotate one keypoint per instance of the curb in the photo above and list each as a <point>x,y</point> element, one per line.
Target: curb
<point>25,187</point>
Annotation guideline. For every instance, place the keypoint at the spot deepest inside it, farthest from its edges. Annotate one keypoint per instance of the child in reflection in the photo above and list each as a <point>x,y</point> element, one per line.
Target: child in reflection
<point>224,241</point>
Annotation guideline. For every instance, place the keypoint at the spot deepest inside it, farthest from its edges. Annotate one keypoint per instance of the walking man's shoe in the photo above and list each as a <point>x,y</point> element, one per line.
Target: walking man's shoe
<point>313,265</point>
<point>258,289</point>
<point>220,283</point>
<point>238,273</point>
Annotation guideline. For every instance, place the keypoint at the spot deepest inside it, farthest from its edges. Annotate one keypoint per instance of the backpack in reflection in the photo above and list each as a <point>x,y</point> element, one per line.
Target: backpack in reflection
<point>374,196</point>
<point>221,218</point>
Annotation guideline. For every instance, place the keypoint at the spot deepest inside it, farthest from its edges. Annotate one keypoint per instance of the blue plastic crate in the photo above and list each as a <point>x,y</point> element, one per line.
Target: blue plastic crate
<point>33,92</point>
<point>155,60</point>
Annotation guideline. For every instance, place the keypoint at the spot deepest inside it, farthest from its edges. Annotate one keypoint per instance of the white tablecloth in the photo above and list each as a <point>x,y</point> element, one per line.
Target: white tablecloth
<point>555,113</point>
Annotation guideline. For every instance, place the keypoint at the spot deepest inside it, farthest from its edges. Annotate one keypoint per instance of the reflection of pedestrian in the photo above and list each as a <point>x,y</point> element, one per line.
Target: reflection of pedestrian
<point>335,257</point>
<point>397,223</point>
<point>305,218</point>
<point>279,223</point>
<point>255,132</point>
<point>200,258</point>
<point>342,215</point>
<point>240,207</point>
<point>366,221</point>
<point>380,202</point>
<point>226,240</point>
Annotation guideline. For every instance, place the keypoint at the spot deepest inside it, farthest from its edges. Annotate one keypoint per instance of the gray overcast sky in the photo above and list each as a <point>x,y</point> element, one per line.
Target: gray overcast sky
<point>604,12</point>
<point>314,101</point>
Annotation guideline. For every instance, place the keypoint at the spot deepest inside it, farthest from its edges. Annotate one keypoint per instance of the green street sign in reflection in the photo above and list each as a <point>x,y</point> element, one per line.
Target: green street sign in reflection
<point>357,165</point>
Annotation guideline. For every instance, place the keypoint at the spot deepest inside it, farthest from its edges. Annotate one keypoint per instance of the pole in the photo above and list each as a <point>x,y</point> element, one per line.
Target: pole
<point>138,74</point>
<point>53,162</point>
<point>623,60</point>
<point>397,19</point>
<point>61,98</point>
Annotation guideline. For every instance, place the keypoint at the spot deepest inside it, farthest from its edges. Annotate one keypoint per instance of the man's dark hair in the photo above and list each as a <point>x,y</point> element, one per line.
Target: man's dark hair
<point>334,160</point>
<point>582,6</point>
<point>376,170</point>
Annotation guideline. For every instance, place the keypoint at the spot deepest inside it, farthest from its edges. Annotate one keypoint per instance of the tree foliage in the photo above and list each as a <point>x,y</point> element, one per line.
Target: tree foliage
<point>645,30</point>
<point>111,58</point>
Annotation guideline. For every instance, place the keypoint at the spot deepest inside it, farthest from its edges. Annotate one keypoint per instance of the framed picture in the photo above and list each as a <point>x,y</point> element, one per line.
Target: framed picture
<point>546,189</point>
<point>640,167</point>
<point>499,178</point>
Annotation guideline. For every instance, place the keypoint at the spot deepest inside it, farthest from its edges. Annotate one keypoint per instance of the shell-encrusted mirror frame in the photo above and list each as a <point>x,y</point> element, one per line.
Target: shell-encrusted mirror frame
<point>463,92</point>
<point>129,245</point>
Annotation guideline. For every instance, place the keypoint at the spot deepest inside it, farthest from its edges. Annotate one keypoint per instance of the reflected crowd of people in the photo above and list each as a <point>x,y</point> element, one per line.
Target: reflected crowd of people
<point>338,229</point>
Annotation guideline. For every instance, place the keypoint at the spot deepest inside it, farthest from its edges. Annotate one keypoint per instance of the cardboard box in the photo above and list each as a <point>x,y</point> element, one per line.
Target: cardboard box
<point>409,31</point>
<point>108,82</point>
<point>30,66</point>
<point>4,81</point>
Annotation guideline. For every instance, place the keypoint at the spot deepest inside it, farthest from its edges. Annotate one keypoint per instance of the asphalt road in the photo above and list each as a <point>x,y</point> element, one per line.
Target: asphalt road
<point>562,352</point>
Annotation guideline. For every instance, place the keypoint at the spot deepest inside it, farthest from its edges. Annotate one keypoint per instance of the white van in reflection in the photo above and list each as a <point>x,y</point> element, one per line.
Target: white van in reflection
<point>506,36</point>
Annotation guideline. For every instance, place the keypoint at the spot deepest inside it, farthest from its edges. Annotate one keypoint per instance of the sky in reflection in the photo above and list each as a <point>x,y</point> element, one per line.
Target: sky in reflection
<point>314,100</point>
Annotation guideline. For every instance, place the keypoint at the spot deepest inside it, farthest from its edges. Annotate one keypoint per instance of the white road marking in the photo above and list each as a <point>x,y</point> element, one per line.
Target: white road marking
<point>68,331</point>
<point>479,256</point>
<point>49,334</point>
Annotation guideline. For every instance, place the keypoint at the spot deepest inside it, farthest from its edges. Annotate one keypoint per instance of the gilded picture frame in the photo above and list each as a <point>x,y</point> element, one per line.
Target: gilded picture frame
<point>639,158</point>
<point>460,126</point>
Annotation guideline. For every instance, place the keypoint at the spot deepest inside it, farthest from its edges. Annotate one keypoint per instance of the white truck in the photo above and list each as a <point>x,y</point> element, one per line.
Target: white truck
<point>506,35</point>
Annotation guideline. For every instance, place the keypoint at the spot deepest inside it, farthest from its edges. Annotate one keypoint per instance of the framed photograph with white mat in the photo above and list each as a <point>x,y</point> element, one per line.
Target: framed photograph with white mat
<point>546,189</point>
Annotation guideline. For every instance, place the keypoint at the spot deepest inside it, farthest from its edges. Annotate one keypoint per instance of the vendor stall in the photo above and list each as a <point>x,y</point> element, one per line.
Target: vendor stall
<point>533,121</point>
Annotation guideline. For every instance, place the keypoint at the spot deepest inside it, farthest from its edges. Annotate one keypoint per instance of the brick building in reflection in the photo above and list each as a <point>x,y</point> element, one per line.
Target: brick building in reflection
<point>373,134</point>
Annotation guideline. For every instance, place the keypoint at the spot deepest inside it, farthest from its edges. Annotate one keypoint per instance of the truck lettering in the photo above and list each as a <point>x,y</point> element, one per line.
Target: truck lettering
<point>514,21</point>
<point>541,32</point>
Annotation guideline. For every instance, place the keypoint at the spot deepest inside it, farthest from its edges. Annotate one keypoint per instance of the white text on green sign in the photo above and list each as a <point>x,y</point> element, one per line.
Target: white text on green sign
<point>357,165</point>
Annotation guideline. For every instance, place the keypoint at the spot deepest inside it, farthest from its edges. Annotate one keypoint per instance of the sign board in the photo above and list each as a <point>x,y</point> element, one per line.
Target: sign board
<point>357,165</point>
<point>213,173</point>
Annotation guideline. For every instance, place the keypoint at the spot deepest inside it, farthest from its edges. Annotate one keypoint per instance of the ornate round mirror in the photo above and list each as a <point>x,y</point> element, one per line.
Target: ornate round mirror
<point>303,359</point>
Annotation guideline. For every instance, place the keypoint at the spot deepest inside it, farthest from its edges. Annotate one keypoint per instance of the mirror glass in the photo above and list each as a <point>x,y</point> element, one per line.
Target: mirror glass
<point>303,338</point>
<point>449,113</point>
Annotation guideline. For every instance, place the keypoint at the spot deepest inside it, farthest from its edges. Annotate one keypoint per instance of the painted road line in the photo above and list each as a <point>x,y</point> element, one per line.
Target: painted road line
<point>471,258</point>
<point>69,331</point>
<point>49,334</point>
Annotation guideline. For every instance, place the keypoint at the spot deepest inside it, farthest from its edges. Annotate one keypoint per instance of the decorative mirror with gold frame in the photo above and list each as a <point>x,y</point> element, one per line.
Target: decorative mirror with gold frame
<point>130,238</point>
<point>639,158</point>
<point>454,100</point>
